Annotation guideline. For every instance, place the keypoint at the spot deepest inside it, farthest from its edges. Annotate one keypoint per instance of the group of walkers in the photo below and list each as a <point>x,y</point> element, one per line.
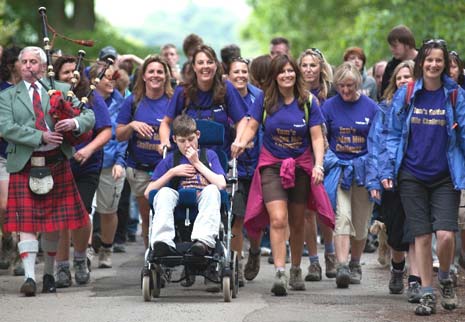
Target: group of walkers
<point>319,149</point>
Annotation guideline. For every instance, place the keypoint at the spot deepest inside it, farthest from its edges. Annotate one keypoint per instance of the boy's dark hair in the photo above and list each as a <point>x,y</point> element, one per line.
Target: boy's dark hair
<point>280,40</point>
<point>229,52</point>
<point>184,125</point>
<point>190,43</point>
<point>401,34</point>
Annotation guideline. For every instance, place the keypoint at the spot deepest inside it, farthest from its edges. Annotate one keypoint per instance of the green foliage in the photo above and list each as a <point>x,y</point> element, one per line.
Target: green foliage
<point>7,28</point>
<point>334,25</point>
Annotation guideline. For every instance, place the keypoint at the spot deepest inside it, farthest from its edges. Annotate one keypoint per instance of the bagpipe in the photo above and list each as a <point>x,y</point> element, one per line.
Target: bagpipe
<point>62,108</point>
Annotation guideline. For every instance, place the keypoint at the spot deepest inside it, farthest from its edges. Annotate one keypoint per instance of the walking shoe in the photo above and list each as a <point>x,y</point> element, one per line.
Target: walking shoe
<point>414,292</point>
<point>104,257</point>
<point>252,267</point>
<point>453,276</point>
<point>355,273</point>
<point>119,248</point>
<point>295,279</point>
<point>199,249</point>
<point>81,271</point>
<point>63,277</point>
<point>449,298</point>
<point>279,287</point>
<point>396,283</point>
<point>131,238</point>
<point>370,245</point>
<point>314,273</point>
<point>90,256</point>
<point>330,263</point>
<point>161,249</point>
<point>240,273</point>
<point>18,269</point>
<point>427,305</point>
<point>342,276</point>
<point>48,285</point>
<point>29,287</point>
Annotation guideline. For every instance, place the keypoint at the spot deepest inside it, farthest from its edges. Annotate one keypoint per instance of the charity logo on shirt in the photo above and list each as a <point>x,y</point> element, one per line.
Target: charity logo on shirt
<point>148,143</point>
<point>349,140</point>
<point>289,138</point>
<point>197,181</point>
<point>429,116</point>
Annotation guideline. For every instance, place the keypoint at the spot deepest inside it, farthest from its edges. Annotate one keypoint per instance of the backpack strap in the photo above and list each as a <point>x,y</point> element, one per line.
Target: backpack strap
<point>174,183</point>
<point>453,101</point>
<point>307,108</point>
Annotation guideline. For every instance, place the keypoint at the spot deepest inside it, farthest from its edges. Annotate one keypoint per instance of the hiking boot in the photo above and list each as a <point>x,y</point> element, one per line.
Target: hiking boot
<point>252,267</point>
<point>453,276</point>
<point>314,273</point>
<point>396,283</point>
<point>29,287</point>
<point>63,277</point>
<point>240,273</point>
<point>81,271</point>
<point>427,305</point>
<point>370,245</point>
<point>414,292</point>
<point>295,279</point>
<point>18,269</point>
<point>449,298</point>
<point>342,276</point>
<point>49,284</point>
<point>279,287</point>
<point>104,258</point>
<point>330,263</point>
<point>355,273</point>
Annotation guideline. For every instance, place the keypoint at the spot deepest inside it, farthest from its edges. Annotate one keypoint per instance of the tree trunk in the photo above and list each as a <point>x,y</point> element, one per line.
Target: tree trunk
<point>84,15</point>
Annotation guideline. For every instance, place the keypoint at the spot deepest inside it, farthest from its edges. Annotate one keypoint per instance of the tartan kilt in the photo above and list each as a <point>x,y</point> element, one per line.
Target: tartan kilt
<point>61,208</point>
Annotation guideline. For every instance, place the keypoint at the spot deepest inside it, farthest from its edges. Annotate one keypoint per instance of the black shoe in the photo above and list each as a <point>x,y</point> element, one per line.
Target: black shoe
<point>396,283</point>
<point>49,284</point>
<point>199,249</point>
<point>370,246</point>
<point>29,287</point>
<point>161,249</point>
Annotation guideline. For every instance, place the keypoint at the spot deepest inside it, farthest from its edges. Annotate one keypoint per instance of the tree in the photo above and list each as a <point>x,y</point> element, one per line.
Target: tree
<point>334,25</point>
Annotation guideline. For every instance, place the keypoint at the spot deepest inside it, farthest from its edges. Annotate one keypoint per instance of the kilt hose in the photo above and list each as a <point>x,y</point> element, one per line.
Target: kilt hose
<point>61,208</point>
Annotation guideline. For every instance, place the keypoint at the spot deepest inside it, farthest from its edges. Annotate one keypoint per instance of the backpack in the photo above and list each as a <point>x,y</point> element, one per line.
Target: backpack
<point>453,99</point>
<point>174,183</point>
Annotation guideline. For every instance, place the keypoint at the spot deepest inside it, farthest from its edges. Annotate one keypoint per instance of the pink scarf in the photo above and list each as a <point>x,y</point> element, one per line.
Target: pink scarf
<point>256,216</point>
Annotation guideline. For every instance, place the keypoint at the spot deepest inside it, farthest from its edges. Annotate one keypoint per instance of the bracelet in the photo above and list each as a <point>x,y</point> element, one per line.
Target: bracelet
<point>320,167</point>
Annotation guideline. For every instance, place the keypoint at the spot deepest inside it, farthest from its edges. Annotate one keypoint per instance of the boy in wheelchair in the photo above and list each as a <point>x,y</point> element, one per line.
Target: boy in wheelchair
<point>194,169</point>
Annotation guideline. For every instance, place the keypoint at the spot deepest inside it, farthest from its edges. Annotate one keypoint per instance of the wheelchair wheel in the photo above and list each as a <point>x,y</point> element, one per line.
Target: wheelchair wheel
<point>227,292</point>
<point>156,277</point>
<point>235,274</point>
<point>146,287</point>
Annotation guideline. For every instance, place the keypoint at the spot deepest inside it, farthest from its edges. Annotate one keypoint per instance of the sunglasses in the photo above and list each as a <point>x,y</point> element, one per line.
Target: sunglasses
<point>241,60</point>
<point>454,53</point>
<point>317,51</point>
<point>440,42</point>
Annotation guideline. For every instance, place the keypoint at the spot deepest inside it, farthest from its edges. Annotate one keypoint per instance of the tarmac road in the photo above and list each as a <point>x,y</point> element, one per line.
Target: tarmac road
<point>115,295</point>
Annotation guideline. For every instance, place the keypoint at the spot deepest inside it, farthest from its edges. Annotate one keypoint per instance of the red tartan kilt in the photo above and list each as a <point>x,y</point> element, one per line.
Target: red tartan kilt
<point>61,208</point>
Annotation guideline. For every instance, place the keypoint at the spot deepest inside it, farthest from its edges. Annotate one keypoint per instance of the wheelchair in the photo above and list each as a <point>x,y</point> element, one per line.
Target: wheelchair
<point>221,265</point>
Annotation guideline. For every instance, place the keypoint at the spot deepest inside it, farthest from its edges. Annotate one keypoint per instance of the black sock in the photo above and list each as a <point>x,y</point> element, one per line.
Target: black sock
<point>104,245</point>
<point>398,266</point>
<point>413,278</point>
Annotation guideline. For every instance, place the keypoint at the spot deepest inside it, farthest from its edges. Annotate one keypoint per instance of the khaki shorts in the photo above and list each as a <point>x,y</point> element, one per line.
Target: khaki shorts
<point>108,192</point>
<point>138,180</point>
<point>353,212</point>
<point>4,175</point>
<point>462,211</point>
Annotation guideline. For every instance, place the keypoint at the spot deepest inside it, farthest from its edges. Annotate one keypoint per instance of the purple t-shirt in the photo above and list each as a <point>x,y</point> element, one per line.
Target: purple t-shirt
<point>233,110</point>
<point>102,120</point>
<point>348,125</point>
<point>426,155</point>
<point>286,133</point>
<point>143,151</point>
<point>196,181</point>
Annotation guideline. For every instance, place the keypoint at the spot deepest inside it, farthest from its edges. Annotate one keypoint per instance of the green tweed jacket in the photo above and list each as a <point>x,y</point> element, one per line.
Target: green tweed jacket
<point>17,123</point>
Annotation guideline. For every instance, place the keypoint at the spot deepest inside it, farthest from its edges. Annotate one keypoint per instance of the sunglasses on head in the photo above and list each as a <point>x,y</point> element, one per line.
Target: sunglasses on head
<point>317,52</point>
<point>454,53</point>
<point>240,59</point>
<point>440,42</point>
